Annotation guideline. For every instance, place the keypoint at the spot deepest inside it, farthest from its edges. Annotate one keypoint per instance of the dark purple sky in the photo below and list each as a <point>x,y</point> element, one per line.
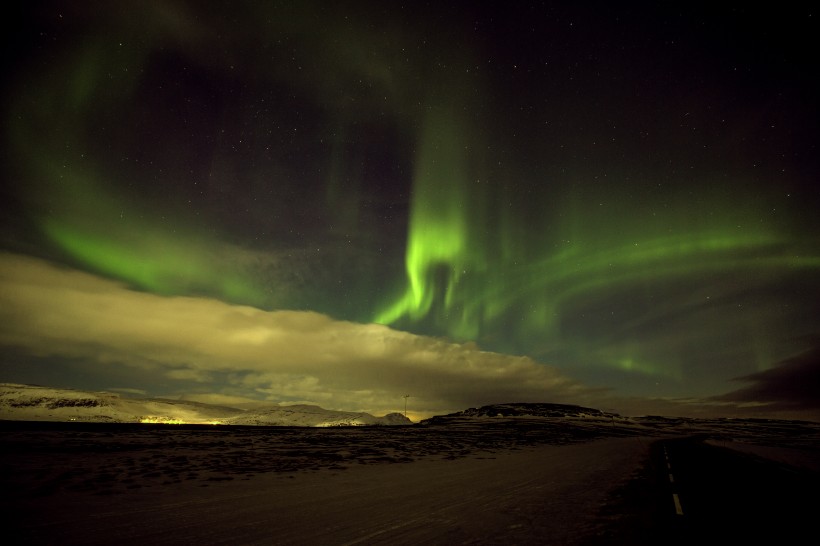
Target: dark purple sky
<point>472,202</point>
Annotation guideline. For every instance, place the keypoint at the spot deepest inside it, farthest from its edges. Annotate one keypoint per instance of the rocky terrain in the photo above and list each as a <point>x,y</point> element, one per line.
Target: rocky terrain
<point>36,403</point>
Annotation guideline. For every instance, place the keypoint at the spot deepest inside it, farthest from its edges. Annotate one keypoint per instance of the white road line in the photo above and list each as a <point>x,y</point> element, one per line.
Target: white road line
<point>678,509</point>
<point>675,498</point>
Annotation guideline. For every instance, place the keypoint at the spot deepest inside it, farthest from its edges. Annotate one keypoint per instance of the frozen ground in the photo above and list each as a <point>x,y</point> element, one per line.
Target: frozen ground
<point>510,480</point>
<point>534,494</point>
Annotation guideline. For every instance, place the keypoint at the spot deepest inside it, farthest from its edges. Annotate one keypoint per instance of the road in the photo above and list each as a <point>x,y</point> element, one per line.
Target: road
<point>715,494</point>
<point>617,491</point>
<point>540,495</point>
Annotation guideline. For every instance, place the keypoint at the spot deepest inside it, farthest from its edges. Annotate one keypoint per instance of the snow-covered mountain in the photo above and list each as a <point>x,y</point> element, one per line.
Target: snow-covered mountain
<point>313,416</point>
<point>36,403</point>
<point>523,410</point>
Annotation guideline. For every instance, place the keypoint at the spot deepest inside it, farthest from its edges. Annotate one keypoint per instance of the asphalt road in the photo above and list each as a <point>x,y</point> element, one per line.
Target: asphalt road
<point>715,494</point>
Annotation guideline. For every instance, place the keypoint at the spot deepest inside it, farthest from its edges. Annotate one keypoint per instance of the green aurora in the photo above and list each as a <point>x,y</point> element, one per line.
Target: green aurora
<point>397,187</point>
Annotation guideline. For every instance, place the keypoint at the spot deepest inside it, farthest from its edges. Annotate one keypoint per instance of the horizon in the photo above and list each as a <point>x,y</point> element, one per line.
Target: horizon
<point>414,416</point>
<point>263,405</point>
<point>606,206</point>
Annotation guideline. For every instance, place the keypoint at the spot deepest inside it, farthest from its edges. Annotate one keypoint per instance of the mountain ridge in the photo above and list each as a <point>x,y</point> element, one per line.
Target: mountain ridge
<point>19,402</point>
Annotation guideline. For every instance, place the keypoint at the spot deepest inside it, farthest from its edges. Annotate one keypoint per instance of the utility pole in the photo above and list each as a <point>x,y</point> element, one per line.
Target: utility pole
<point>406,396</point>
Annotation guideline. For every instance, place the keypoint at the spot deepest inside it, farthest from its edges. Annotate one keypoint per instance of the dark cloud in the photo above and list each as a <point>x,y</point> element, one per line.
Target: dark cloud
<point>791,385</point>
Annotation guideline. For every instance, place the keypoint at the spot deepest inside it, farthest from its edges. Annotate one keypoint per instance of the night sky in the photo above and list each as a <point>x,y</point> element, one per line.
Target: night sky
<point>469,202</point>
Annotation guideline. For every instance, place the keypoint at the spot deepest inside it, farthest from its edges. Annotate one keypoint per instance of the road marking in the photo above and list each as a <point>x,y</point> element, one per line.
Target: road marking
<point>678,509</point>
<point>675,498</point>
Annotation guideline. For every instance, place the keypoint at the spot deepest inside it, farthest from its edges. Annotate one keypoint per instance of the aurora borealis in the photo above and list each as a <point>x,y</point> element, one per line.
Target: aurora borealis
<point>472,202</point>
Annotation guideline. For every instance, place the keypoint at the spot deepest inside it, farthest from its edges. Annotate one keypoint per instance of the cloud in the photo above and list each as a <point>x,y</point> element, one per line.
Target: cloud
<point>50,311</point>
<point>208,350</point>
<point>129,390</point>
<point>793,384</point>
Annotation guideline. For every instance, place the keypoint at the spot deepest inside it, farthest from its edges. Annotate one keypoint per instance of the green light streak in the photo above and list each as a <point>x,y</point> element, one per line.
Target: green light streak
<point>473,271</point>
<point>493,253</point>
<point>631,364</point>
<point>76,205</point>
<point>438,253</point>
<point>152,261</point>
<point>543,285</point>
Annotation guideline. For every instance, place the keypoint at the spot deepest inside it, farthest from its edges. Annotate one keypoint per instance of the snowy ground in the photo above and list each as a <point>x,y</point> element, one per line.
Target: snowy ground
<point>510,481</point>
<point>522,496</point>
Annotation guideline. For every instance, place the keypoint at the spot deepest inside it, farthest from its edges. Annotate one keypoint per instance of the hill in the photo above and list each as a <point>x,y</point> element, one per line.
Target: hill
<point>523,409</point>
<point>37,403</point>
